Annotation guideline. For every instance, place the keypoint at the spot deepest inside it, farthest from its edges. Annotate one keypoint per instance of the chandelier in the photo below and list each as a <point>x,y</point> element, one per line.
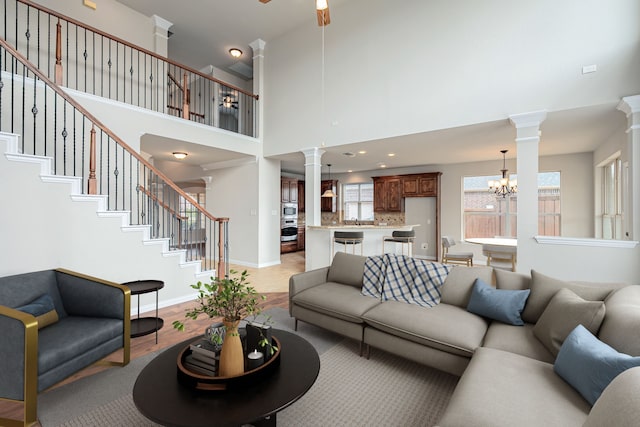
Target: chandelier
<point>503,186</point>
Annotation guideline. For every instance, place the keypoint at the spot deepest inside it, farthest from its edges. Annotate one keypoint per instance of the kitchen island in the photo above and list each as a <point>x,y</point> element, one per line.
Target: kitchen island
<point>319,237</point>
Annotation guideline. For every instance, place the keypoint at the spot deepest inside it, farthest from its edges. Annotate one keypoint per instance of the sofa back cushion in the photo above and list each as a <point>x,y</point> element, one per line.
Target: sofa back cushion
<point>21,289</point>
<point>347,269</point>
<point>543,288</point>
<point>622,320</point>
<point>457,288</point>
<point>512,281</point>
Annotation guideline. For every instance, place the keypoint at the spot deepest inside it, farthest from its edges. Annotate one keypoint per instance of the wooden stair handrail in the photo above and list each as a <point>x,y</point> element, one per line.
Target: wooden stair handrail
<point>161,203</point>
<point>192,113</point>
<point>104,128</point>
<point>131,45</point>
<point>175,81</point>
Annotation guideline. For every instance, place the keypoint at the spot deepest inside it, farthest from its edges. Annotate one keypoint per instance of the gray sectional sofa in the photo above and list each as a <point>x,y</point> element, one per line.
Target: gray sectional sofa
<point>55,323</point>
<point>509,375</point>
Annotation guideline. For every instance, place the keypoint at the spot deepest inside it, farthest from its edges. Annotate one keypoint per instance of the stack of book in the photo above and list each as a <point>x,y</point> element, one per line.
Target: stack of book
<point>204,358</point>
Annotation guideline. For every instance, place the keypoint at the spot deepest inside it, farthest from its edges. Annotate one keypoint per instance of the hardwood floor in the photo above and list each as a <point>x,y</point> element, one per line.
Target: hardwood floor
<point>273,282</point>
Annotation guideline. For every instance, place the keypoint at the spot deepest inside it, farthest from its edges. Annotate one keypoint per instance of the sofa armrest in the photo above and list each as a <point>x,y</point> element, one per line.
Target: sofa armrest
<point>19,359</point>
<point>302,281</point>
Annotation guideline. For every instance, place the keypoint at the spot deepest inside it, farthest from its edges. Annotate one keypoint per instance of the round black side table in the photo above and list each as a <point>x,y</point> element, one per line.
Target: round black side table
<point>145,325</point>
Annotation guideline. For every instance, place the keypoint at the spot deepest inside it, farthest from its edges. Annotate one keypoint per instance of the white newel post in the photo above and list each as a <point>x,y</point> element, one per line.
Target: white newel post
<point>527,138</point>
<point>630,105</point>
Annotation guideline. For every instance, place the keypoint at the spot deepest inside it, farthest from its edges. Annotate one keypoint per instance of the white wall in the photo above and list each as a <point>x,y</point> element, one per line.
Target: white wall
<point>248,195</point>
<point>43,228</point>
<point>415,66</point>
<point>111,17</point>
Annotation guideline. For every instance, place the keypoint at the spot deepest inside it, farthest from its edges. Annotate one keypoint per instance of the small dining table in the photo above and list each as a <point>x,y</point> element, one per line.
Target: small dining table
<point>498,241</point>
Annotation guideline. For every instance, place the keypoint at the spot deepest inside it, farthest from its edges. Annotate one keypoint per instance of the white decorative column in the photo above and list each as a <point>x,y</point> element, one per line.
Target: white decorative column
<point>527,138</point>
<point>630,105</point>
<point>161,35</point>
<point>312,182</point>
<point>258,84</point>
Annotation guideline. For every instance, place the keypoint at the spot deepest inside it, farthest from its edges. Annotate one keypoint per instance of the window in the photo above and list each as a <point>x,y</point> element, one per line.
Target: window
<point>358,201</point>
<point>486,215</point>
<point>612,200</point>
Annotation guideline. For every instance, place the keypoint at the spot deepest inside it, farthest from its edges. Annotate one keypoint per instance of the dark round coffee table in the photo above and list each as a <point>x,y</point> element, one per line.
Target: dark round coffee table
<point>159,397</point>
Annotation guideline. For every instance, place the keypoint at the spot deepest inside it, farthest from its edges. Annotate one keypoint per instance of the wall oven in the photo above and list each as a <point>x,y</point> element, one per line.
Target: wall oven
<point>289,210</point>
<point>289,229</point>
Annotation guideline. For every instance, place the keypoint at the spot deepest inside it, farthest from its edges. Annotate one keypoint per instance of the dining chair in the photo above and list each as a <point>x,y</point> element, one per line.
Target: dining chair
<point>454,257</point>
<point>500,254</point>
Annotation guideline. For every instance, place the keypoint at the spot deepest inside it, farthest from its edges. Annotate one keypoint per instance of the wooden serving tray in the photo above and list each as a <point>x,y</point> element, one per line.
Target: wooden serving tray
<point>208,383</point>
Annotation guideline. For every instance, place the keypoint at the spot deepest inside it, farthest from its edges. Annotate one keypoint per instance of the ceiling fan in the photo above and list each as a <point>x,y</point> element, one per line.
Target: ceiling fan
<point>228,102</point>
<point>322,11</point>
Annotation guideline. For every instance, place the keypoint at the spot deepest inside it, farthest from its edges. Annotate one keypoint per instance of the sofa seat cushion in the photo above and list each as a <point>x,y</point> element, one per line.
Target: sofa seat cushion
<point>444,327</point>
<point>499,388</point>
<point>517,339</point>
<point>59,343</point>
<point>334,299</point>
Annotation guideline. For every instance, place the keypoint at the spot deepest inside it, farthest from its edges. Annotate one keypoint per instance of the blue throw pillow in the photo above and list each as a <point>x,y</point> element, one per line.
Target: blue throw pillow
<point>42,309</point>
<point>497,304</point>
<point>589,365</point>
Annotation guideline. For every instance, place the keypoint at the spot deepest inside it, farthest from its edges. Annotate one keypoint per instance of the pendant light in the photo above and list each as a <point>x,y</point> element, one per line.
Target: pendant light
<point>504,186</point>
<point>329,191</point>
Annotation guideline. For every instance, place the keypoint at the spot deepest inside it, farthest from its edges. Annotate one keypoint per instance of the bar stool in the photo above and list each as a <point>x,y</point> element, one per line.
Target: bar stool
<point>406,238</point>
<point>347,238</point>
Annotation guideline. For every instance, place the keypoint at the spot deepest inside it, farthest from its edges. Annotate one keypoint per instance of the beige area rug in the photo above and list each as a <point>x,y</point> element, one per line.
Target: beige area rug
<point>350,391</point>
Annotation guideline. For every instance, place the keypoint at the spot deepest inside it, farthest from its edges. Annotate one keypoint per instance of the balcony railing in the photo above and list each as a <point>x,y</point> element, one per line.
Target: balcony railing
<point>52,124</point>
<point>86,59</point>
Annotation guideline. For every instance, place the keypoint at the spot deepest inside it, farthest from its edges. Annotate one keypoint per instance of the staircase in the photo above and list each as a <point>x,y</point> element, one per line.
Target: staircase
<point>77,196</point>
<point>48,223</point>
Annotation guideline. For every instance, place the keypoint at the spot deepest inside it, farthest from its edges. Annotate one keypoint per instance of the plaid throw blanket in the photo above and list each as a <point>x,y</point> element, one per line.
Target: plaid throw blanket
<point>401,278</point>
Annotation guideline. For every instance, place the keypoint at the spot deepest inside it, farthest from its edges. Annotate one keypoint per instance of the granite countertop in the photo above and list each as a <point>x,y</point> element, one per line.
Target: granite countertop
<point>359,227</point>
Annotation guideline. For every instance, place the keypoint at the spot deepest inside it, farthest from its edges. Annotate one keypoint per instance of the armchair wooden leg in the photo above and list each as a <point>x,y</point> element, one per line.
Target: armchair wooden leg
<point>295,324</point>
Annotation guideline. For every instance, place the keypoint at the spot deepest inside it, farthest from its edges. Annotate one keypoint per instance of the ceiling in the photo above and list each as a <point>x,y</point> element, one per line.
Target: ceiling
<point>204,32</point>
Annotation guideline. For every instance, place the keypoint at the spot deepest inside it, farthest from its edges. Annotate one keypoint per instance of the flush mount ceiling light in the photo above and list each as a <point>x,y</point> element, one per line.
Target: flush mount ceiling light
<point>179,155</point>
<point>235,52</point>
<point>503,186</point>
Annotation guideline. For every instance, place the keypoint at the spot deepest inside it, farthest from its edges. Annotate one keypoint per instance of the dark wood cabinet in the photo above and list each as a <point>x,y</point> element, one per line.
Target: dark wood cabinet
<point>289,190</point>
<point>300,196</point>
<point>387,194</point>
<point>301,237</point>
<point>420,185</point>
<point>328,204</point>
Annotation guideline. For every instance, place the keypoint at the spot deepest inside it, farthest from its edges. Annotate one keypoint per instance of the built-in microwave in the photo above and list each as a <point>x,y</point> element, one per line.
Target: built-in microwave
<point>289,209</point>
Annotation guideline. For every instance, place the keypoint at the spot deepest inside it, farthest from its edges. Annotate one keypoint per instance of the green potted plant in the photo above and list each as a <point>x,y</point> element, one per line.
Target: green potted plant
<point>232,299</point>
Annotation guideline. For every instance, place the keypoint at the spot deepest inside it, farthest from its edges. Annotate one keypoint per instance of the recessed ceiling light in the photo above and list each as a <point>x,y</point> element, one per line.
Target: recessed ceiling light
<point>235,52</point>
<point>350,170</point>
<point>362,152</point>
<point>391,154</point>
<point>383,165</point>
<point>179,155</point>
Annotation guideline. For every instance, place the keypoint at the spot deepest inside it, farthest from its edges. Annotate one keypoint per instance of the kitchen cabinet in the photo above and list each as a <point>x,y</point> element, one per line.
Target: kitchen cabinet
<point>289,190</point>
<point>300,196</point>
<point>301,237</point>
<point>328,204</point>
<point>387,194</point>
<point>420,185</point>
